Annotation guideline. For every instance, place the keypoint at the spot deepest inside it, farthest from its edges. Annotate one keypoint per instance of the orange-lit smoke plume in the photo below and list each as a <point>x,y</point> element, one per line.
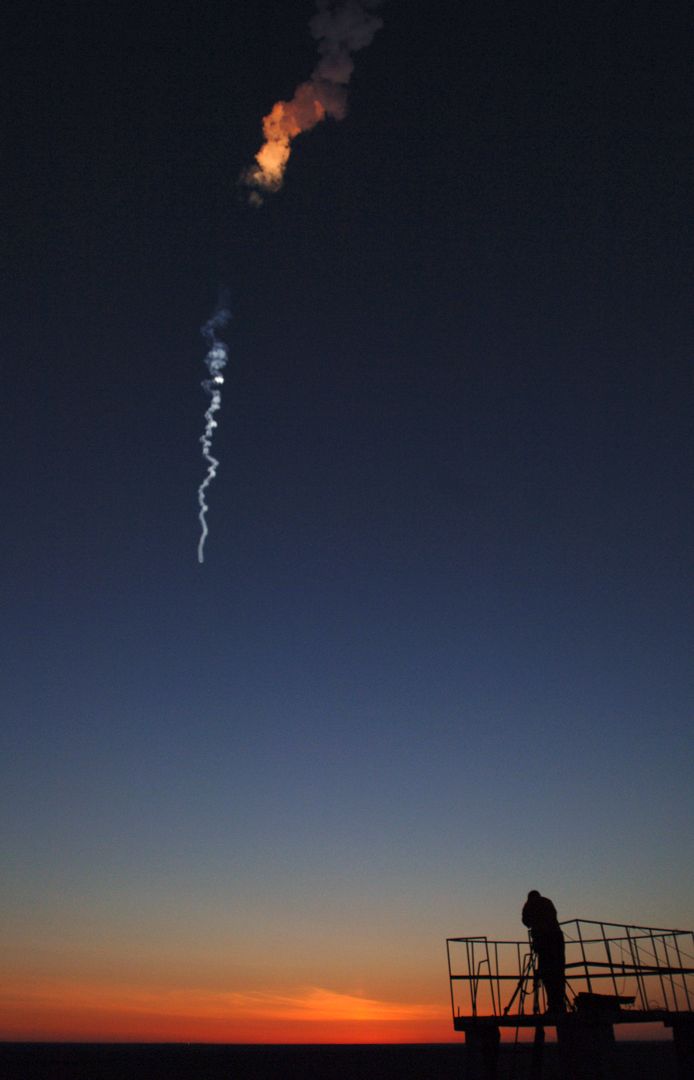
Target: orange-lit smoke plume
<point>341,27</point>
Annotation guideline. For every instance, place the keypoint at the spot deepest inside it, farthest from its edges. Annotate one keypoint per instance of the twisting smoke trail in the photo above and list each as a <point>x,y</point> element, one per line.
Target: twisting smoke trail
<point>341,27</point>
<point>216,358</point>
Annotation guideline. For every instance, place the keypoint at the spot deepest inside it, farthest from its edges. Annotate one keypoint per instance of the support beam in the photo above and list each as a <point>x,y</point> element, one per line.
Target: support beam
<point>683,1036</point>
<point>482,1051</point>
<point>586,1047</point>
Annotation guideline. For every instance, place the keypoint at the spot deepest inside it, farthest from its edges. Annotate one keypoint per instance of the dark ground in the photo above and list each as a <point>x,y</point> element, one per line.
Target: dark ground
<point>67,1061</point>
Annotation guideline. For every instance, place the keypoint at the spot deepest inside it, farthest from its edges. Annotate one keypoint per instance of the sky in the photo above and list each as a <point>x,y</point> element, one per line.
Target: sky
<point>439,650</point>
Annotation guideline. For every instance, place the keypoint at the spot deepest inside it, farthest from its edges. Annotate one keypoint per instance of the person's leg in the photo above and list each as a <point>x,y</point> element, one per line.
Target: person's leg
<point>554,978</point>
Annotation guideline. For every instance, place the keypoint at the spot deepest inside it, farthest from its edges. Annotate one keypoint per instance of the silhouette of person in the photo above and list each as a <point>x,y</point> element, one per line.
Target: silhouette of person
<point>540,916</point>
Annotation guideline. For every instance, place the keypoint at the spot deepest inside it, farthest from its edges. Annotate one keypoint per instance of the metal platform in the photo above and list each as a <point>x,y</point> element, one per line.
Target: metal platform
<point>548,1020</point>
<point>615,974</point>
<point>651,965</point>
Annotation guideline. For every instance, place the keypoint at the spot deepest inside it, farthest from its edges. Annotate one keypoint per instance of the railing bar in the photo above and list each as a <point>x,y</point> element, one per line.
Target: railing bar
<point>648,955</point>
<point>450,979</point>
<point>583,954</point>
<point>626,926</point>
<point>502,978</point>
<point>685,985</point>
<point>660,978</point>
<point>671,977</point>
<point>519,967</point>
<point>648,969</point>
<point>639,978</point>
<point>609,958</point>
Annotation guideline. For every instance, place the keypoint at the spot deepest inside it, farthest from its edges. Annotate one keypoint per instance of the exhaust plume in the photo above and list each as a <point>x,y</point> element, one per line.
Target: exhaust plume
<point>215,359</point>
<point>341,27</point>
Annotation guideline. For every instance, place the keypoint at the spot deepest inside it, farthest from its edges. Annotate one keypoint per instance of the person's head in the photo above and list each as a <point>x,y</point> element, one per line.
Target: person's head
<point>533,895</point>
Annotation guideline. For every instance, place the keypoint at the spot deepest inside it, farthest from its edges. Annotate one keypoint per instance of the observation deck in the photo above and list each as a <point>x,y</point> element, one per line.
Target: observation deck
<point>615,974</point>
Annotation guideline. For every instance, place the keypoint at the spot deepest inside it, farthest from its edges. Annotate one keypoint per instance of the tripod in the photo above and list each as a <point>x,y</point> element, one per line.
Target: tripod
<point>527,972</point>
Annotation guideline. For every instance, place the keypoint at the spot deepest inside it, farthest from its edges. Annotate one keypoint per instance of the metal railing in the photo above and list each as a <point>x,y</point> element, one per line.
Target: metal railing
<point>648,972</point>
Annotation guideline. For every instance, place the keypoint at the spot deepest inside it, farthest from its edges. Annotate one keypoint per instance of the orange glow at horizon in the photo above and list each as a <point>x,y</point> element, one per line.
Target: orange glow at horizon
<point>86,1012</point>
<point>57,1011</point>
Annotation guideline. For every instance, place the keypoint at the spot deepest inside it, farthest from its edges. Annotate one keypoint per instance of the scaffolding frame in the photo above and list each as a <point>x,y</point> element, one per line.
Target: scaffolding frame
<point>639,974</point>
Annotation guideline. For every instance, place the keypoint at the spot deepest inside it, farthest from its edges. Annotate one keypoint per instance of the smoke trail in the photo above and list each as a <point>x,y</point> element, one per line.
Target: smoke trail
<point>216,358</point>
<point>341,27</point>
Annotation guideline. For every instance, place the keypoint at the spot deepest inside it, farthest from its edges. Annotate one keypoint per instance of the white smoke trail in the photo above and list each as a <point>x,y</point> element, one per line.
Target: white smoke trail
<point>216,358</point>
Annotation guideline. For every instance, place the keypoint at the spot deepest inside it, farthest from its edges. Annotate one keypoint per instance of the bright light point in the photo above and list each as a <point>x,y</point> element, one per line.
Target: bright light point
<point>215,360</point>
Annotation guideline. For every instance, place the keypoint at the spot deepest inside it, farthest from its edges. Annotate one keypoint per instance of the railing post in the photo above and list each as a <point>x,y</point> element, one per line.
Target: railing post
<point>638,974</point>
<point>450,974</point>
<point>608,952</point>
<point>656,961</point>
<point>586,972</point>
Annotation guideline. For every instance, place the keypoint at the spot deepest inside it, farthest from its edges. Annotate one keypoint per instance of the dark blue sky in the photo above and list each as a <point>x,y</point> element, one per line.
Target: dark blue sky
<point>440,647</point>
